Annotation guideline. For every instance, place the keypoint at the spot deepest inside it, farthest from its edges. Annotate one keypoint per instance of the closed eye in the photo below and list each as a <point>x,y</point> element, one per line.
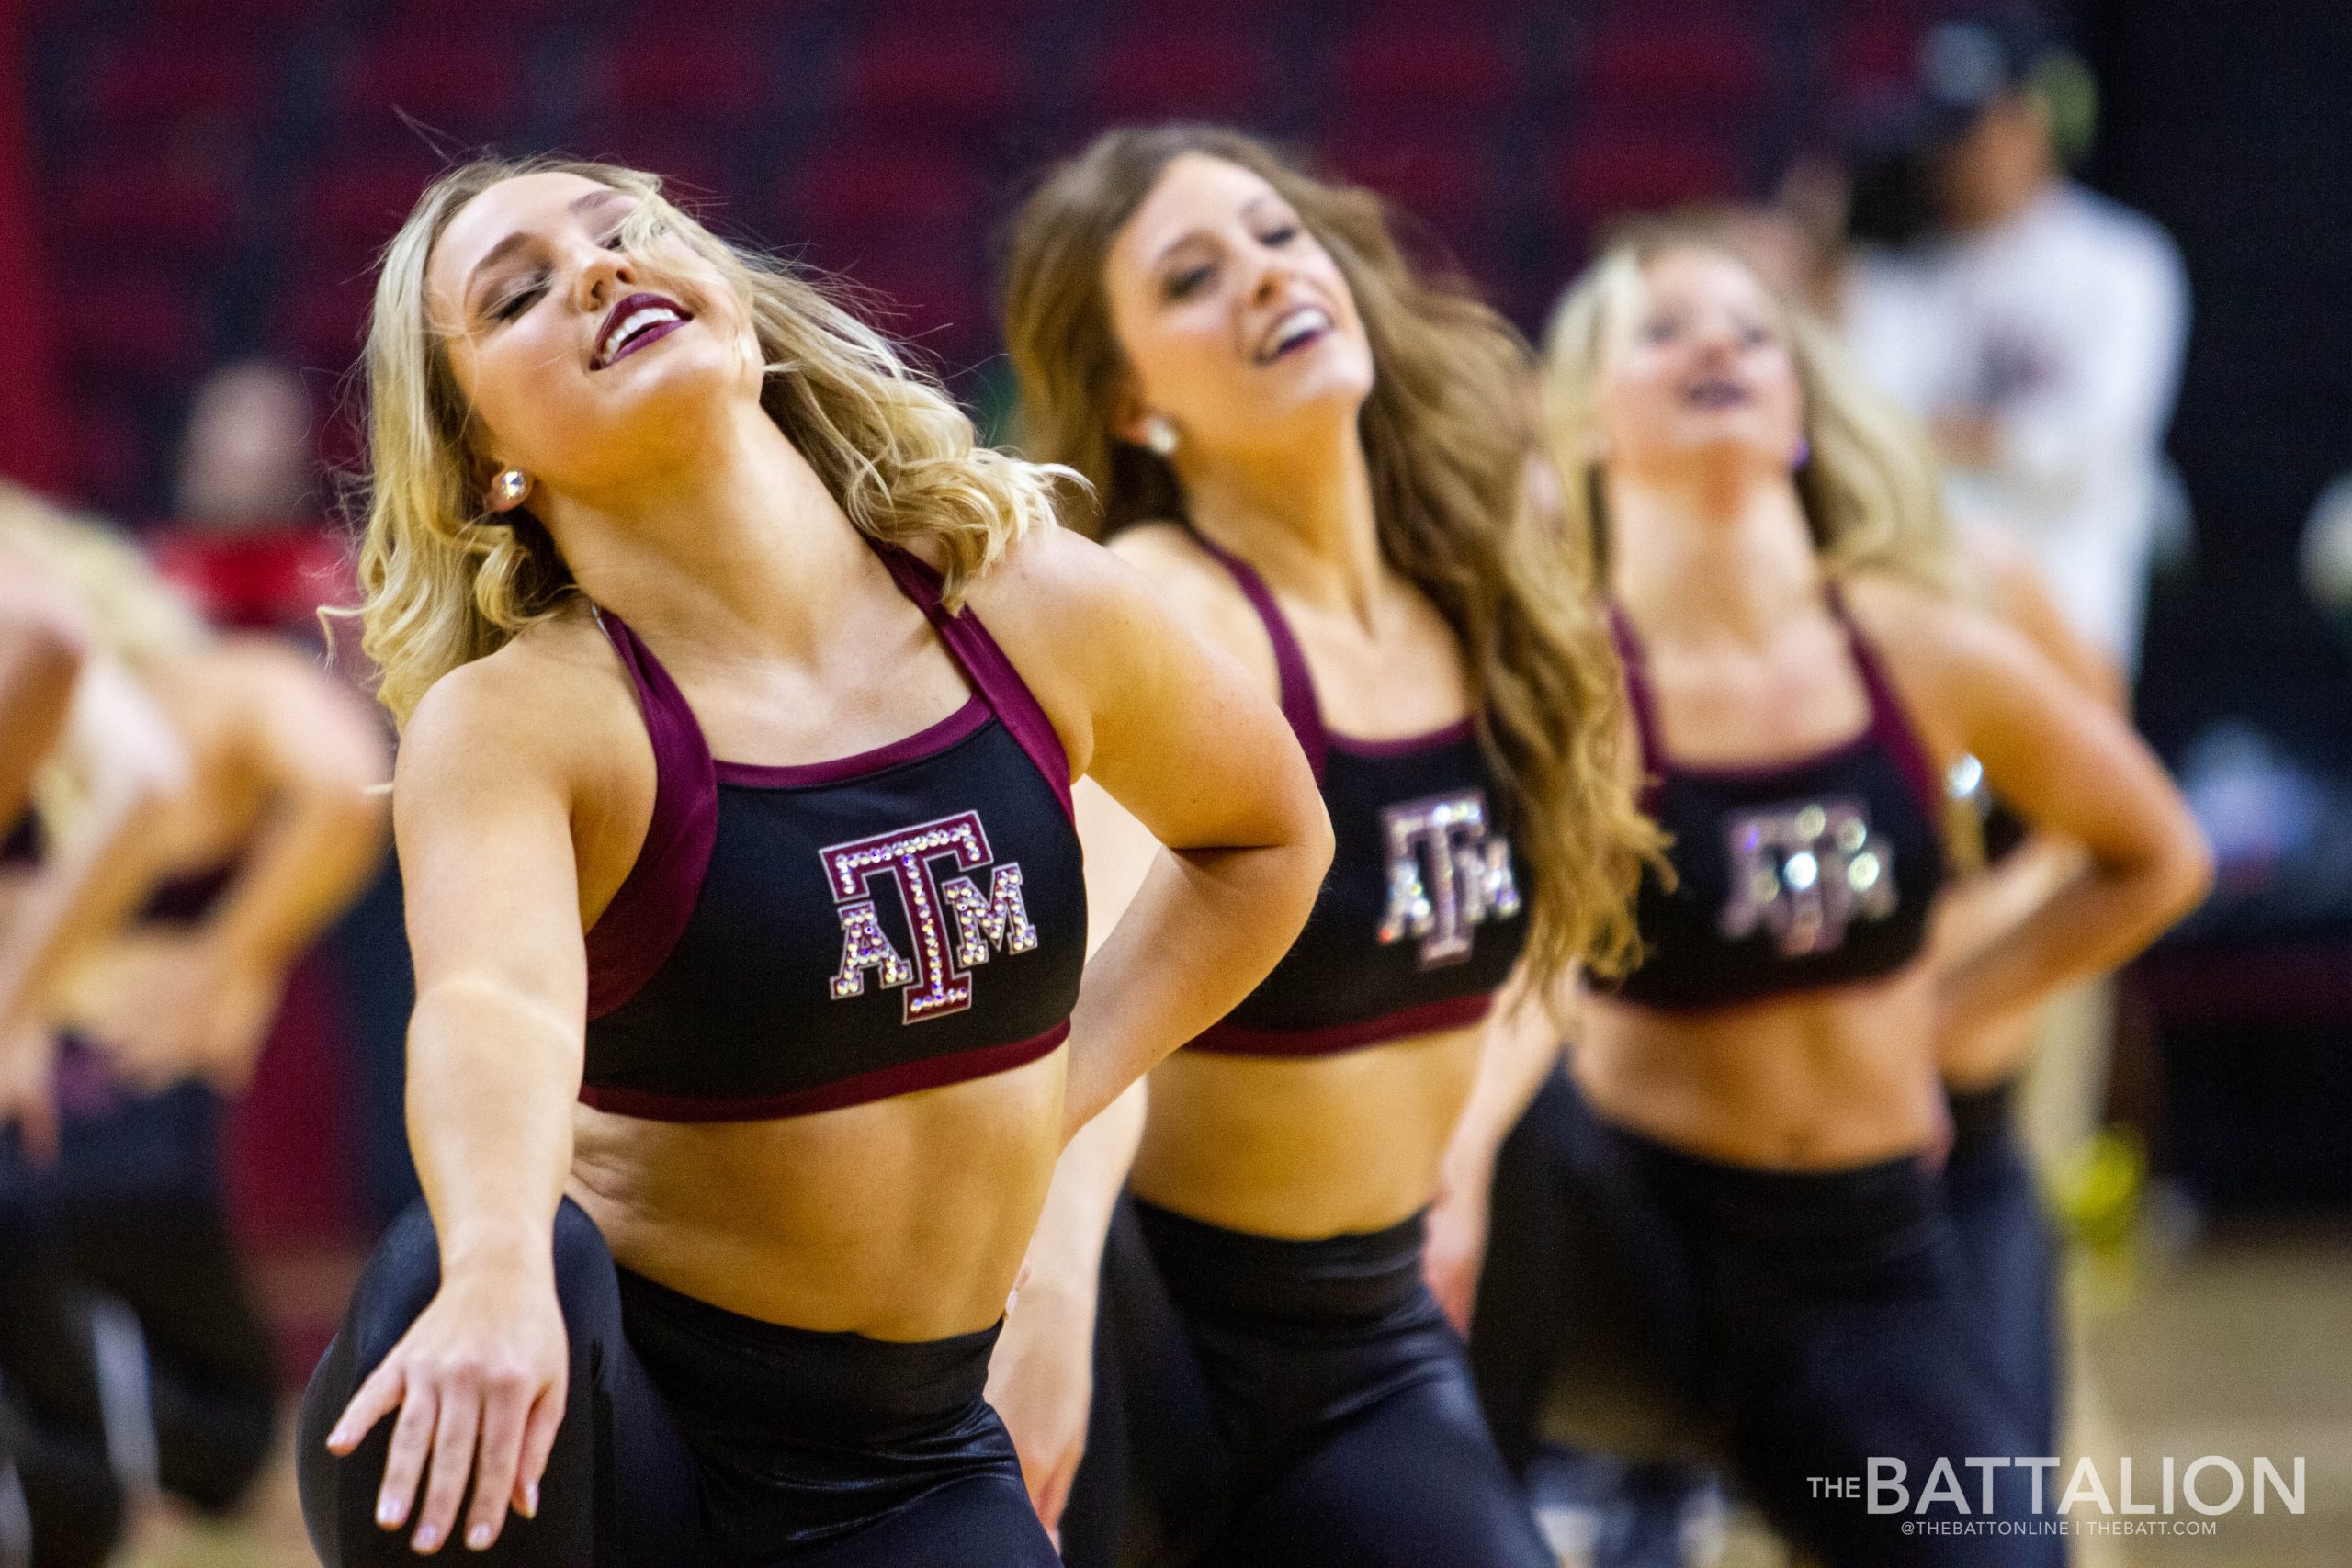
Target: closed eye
<point>510,305</point>
<point>1183,285</point>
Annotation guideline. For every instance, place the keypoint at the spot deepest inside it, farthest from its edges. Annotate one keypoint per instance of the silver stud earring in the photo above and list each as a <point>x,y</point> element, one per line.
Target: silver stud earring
<point>512,485</point>
<point>1160,435</point>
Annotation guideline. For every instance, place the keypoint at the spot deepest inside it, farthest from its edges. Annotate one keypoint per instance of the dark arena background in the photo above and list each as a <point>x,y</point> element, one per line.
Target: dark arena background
<point>193,194</point>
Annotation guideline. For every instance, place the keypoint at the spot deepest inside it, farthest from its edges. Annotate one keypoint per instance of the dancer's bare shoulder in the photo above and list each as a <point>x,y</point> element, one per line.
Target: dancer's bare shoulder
<point>1201,591</point>
<point>542,737</point>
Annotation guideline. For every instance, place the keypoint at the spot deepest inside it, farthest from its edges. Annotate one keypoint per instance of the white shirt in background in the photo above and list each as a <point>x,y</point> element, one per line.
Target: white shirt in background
<point>2066,325</point>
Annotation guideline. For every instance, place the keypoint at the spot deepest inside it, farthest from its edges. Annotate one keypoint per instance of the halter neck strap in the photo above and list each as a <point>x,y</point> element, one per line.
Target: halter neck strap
<point>1890,721</point>
<point>984,665</point>
<point>1299,707</point>
<point>1638,695</point>
<point>634,935</point>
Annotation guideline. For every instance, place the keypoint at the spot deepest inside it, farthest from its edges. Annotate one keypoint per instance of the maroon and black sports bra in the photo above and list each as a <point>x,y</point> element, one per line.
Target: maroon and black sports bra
<point>1793,875</point>
<point>794,940</point>
<point>1420,918</point>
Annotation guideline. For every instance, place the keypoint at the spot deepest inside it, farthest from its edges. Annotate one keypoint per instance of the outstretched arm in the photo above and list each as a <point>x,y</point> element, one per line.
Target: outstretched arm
<point>482,808</point>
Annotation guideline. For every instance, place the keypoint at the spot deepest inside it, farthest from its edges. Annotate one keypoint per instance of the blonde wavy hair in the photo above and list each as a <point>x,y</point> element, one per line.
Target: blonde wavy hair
<point>446,582</point>
<point>1447,436</point>
<point>1869,485</point>
<point>135,615</point>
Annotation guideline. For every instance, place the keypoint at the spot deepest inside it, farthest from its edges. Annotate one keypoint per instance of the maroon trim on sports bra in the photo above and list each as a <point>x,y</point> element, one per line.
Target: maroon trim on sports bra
<point>882,1083</point>
<point>986,667</point>
<point>1890,725</point>
<point>1229,1039</point>
<point>1890,720</point>
<point>1297,685</point>
<point>1638,697</point>
<point>634,935</point>
<point>961,725</point>
<point>1299,704</point>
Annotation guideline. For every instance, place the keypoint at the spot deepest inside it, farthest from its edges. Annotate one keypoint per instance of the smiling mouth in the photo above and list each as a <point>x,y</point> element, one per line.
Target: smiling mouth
<point>634,322</point>
<point>1295,329</point>
<point>1715,394</point>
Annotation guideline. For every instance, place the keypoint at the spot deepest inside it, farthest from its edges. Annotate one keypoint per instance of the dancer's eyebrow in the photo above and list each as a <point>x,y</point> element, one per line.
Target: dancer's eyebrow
<point>517,240</point>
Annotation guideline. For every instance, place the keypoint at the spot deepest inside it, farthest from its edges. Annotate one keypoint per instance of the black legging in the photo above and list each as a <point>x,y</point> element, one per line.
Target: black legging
<point>1300,1403</point>
<point>1565,1335</point>
<point>2012,1254</point>
<point>695,1436</point>
<point>1805,1323</point>
<point>119,1281</point>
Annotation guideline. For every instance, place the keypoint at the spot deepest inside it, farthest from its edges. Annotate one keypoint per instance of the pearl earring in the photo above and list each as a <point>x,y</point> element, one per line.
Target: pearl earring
<point>512,485</point>
<point>1160,435</point>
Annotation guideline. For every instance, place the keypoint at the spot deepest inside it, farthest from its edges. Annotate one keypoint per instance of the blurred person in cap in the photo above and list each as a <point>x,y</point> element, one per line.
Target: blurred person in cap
<point>2037,326</point>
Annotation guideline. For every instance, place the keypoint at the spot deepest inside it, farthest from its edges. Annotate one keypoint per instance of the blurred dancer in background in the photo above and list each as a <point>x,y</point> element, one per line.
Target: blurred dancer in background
<point>1648,1504</point>
<point>1765,1087</point>
<point>249,542</point>
<point>205,816</point>
<point>1317,453</point>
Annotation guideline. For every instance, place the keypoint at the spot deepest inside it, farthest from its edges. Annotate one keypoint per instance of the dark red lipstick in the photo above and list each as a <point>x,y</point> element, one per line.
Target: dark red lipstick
<point>633,321</point>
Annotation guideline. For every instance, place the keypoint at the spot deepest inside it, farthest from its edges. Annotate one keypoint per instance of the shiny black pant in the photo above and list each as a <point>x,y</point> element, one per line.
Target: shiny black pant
<point>1796,1326</point>
<point>1300,1403</point>
<point>693,1435</point>
<point>2012,1255</point>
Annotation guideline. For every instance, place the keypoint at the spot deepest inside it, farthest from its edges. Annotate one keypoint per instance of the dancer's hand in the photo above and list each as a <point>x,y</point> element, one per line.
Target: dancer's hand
<point>1041,1381</point>
<point>486,1365</point>
<point>1453,1249</point>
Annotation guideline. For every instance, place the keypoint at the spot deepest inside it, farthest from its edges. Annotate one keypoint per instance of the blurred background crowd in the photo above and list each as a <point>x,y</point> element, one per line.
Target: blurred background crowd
<point>2101,250</point>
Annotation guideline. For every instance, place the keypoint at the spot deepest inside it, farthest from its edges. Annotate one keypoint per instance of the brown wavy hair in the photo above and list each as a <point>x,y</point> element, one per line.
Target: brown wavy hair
<point>1447,433</point>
